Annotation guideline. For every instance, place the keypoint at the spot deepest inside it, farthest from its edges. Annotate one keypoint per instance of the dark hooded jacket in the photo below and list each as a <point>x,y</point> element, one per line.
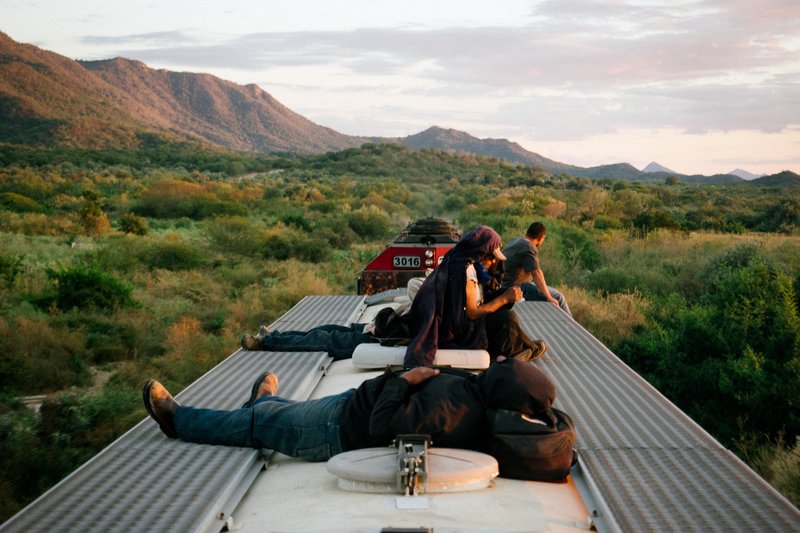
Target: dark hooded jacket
<point>438,316</point>
<point>451,407</point>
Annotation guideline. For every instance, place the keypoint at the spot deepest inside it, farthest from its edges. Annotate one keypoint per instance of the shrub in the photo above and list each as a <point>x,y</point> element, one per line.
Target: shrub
<point>604,222</point>
<point>85,287</point>
<point>370,223</point>
<point>11,267</point>
<point>655,218</point>
<point>737,345</point>
<point>37,357</point>
<point>336,231</point>
<point>18,202</point>
<point>172,254</point>
<point>578,250</point>
<point>235,235</point>
<point>297,220</point>
<point>133,224</point>
<point>283,243</point>
<point>91,216</point>
<point>783,216</point>
<point>776,461</point>
<point>612,280</point>
<point>107,338</point>
<point>172,198</point>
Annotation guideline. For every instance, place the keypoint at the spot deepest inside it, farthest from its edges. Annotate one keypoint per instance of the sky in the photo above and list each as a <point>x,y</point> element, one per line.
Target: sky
<point>699,86</point>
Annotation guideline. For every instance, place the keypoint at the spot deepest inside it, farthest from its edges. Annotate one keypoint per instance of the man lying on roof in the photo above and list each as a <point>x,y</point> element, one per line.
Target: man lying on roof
<point>337,341</point>
<point>449,407</point>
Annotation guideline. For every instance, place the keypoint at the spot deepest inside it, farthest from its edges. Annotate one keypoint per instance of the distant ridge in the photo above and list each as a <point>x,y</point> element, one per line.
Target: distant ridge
<point>50,100</point>
<point>785,178</point>
<point>458,141</point>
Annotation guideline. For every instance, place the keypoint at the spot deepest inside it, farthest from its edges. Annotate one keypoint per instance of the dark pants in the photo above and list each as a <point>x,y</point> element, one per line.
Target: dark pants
<point>532,293</point>
<point>505,334</point>
<point>338,341</point>
<point>310,430</point>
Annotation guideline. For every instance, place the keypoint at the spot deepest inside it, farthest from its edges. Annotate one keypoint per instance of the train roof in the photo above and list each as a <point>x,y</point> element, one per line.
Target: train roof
<point>644,465</point>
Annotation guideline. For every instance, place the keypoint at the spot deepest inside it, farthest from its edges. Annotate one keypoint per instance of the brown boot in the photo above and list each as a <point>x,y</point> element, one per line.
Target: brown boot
<point>266,385</point>
<point>537,349</point>
<point>251,342</point>
<point>161,407</point>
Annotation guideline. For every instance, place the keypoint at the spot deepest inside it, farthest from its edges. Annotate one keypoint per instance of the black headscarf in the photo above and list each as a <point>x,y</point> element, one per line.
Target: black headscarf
<point>438,315</point>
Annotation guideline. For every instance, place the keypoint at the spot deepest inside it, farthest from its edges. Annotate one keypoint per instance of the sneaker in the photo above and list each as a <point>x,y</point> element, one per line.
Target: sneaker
<point>251,342</point>
<point>265,385</point>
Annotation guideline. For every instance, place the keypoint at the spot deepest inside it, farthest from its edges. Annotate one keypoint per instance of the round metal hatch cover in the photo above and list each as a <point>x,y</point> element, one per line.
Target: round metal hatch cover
<point>449,470</point>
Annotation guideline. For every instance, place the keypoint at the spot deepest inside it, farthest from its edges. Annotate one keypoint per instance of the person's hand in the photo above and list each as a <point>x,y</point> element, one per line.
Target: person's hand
<point>512,295</point>
<point>417,375</point>
<point>553,301</point>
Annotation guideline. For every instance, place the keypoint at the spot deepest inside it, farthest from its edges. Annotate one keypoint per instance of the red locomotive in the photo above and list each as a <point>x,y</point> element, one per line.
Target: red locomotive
<point>418,248</point>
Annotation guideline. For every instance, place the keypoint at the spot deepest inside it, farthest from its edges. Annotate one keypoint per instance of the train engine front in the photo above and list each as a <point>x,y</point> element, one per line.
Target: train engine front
<point>419,247</point>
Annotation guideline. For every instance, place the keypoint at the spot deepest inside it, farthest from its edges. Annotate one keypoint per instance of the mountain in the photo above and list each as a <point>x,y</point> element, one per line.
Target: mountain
<point>219,111</point>
<point>46,98</point>
<point>458,141</point>
<point>655,167</point>
<point>745,175</point>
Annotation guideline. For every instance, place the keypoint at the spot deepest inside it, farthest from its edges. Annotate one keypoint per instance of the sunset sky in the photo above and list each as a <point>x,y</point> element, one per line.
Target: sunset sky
<point>701,87</point>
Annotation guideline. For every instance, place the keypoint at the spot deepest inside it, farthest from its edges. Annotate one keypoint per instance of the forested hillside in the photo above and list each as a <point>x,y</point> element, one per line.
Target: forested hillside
<point>125,264</point>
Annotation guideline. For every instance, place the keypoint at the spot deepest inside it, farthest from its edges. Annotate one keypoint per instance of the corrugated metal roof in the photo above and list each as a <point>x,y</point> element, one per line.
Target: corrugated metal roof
<point>145,482</point>
<point>648,465</point>
<point>644,465</point>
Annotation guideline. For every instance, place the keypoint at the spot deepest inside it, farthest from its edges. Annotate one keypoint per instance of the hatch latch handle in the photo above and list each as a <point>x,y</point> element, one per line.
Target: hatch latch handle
<point>412,463</point>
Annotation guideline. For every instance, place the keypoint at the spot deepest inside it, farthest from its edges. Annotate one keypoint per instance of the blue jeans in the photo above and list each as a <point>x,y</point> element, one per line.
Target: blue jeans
<point>531,293</point>
<point>309,430</point>
<point>338,341</point>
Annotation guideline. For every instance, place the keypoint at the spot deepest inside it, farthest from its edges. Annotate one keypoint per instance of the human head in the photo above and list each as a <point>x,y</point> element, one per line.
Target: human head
<point>517,385</point>
<point>478,242</point>
<point>536,231</point>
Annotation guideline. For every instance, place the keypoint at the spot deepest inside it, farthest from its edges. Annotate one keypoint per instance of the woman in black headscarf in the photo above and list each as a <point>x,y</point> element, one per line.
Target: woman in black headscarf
<point>448,311</point>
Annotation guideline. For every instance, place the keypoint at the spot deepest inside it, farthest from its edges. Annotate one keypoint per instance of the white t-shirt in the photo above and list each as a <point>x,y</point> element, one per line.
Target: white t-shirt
<point>473,276</point>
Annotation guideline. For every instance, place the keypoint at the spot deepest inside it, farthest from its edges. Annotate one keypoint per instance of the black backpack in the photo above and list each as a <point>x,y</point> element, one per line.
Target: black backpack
<point>392,329</point>
<point>532,448</point>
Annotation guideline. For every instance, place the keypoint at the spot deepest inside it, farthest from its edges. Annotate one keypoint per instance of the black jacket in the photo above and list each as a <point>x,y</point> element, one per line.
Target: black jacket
<point>449,407</point>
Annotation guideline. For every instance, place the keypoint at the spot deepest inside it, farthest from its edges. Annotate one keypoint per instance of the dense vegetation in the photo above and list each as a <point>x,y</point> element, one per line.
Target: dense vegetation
<point>116,266</point>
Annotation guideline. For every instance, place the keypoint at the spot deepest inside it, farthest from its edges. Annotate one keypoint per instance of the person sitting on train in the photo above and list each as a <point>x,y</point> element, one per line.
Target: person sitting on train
<point>337,340</point>
<point>523,269</point>
<point>450,311</point>
<point>450,407</point>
